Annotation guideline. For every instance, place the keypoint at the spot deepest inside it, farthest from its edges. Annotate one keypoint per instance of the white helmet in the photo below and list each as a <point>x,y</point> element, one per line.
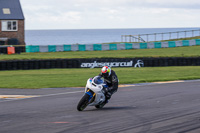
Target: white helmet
<point>106,71</point>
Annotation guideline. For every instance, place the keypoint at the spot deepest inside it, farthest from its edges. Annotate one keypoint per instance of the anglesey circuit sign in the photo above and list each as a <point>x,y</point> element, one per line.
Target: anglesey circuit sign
<point>111,64</point>
<point>139,63</point>
<point>94,64</point>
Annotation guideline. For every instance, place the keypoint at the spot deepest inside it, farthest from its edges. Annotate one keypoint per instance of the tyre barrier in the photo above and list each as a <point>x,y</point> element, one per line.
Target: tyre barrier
<point>99,62</point>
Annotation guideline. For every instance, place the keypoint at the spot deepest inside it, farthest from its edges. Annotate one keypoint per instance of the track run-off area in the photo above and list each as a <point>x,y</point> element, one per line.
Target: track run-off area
<point>162,107</point>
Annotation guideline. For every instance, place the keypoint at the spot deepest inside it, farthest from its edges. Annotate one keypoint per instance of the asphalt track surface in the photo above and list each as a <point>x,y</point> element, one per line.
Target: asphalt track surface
<point>145,108</point>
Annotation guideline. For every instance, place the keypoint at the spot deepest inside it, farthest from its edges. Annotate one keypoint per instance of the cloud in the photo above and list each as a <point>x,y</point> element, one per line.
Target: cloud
<point>82,5</point>
<point>74,14</point>
<point>70,17</point>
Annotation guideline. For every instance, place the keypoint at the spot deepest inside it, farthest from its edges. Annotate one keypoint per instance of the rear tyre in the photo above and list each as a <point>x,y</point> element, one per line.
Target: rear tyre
<point>83,103</point>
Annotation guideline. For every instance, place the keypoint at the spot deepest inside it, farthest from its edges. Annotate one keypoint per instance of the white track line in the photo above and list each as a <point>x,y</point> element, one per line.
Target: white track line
<point>60,94</point>
<point>45,95</point>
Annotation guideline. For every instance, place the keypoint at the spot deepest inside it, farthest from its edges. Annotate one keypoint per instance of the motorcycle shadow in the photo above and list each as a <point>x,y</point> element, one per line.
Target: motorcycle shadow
<point>113,108</point>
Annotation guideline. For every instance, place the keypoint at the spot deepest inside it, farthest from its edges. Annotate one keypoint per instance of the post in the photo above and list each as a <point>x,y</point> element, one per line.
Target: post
<point>185,34</point>
<point>192,33</point>
<point>177,35</point>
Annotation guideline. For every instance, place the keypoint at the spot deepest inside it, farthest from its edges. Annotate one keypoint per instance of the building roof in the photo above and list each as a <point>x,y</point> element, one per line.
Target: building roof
<point>11,9</point>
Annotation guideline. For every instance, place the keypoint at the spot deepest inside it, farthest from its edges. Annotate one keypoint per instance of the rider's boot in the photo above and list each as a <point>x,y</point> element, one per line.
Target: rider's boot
<point>108,96</point>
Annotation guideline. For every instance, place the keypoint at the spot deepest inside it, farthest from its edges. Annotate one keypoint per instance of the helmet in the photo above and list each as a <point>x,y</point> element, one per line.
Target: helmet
<point>106,71</point>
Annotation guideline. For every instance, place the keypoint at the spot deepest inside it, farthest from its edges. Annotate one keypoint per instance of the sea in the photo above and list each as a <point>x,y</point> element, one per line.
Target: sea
<point>98,36</point>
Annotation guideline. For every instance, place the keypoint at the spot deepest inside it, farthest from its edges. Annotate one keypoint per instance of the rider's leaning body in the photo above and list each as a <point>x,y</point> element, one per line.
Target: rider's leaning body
<point>111,79</point>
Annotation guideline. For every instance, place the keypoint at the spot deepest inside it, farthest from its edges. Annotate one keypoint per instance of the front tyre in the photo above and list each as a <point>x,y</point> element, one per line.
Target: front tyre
<point>83,103</point>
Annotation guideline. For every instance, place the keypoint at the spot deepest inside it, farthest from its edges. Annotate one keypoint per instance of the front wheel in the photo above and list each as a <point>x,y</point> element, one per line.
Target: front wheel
<point>83,103</point>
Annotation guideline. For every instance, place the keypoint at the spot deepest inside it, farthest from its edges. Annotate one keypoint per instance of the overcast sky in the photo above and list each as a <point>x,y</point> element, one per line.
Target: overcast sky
<point>106,14</point>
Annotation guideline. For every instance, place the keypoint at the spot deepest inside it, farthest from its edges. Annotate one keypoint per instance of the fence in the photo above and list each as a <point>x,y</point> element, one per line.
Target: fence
<point>160,36</point>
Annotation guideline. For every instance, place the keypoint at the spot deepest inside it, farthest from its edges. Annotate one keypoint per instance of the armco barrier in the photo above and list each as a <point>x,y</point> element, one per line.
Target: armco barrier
<point>129,46</point>
<point>197,41</point>
<point>157,45</point>
<point>185,43</point>
<point>92,63</point>
<point>120,46</point>
<point>143,45</point>
<point>51,48</point>
<point>32,49</point>
<point>113,46</point>
<point>67,47</point>
<point>97,47</point>
<point>81,47</point>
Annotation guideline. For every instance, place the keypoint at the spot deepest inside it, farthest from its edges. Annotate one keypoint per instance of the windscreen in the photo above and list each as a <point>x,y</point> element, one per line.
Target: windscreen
<point>98,80</point>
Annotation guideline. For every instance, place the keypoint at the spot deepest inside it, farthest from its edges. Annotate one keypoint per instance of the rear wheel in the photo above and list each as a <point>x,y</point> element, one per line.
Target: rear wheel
<point>83,103</point>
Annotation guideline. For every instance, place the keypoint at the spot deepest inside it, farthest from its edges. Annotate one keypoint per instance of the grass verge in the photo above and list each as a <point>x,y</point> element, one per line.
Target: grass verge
<point>55,78</point>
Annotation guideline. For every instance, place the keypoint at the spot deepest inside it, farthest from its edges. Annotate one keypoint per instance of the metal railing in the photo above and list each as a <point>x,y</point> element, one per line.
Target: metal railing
<point>160,36</point>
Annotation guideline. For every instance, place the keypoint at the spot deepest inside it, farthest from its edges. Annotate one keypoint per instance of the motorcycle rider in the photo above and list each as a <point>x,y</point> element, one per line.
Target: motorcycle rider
<point>112,81</point>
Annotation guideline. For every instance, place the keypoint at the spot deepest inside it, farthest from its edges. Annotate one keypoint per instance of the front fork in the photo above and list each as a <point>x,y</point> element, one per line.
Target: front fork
<point>91,94</point>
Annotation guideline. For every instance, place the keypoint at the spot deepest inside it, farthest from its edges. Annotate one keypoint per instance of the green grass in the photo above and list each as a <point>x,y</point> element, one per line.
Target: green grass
<point>51,78</point>
<point>191,51</point>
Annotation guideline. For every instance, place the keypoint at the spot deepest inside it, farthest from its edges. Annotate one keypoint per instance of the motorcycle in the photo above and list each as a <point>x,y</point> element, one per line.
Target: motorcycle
<point>94,94</point>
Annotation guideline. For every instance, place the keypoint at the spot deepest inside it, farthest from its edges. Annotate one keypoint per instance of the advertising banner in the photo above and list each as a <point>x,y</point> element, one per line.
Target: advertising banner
<point>112,63</point>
